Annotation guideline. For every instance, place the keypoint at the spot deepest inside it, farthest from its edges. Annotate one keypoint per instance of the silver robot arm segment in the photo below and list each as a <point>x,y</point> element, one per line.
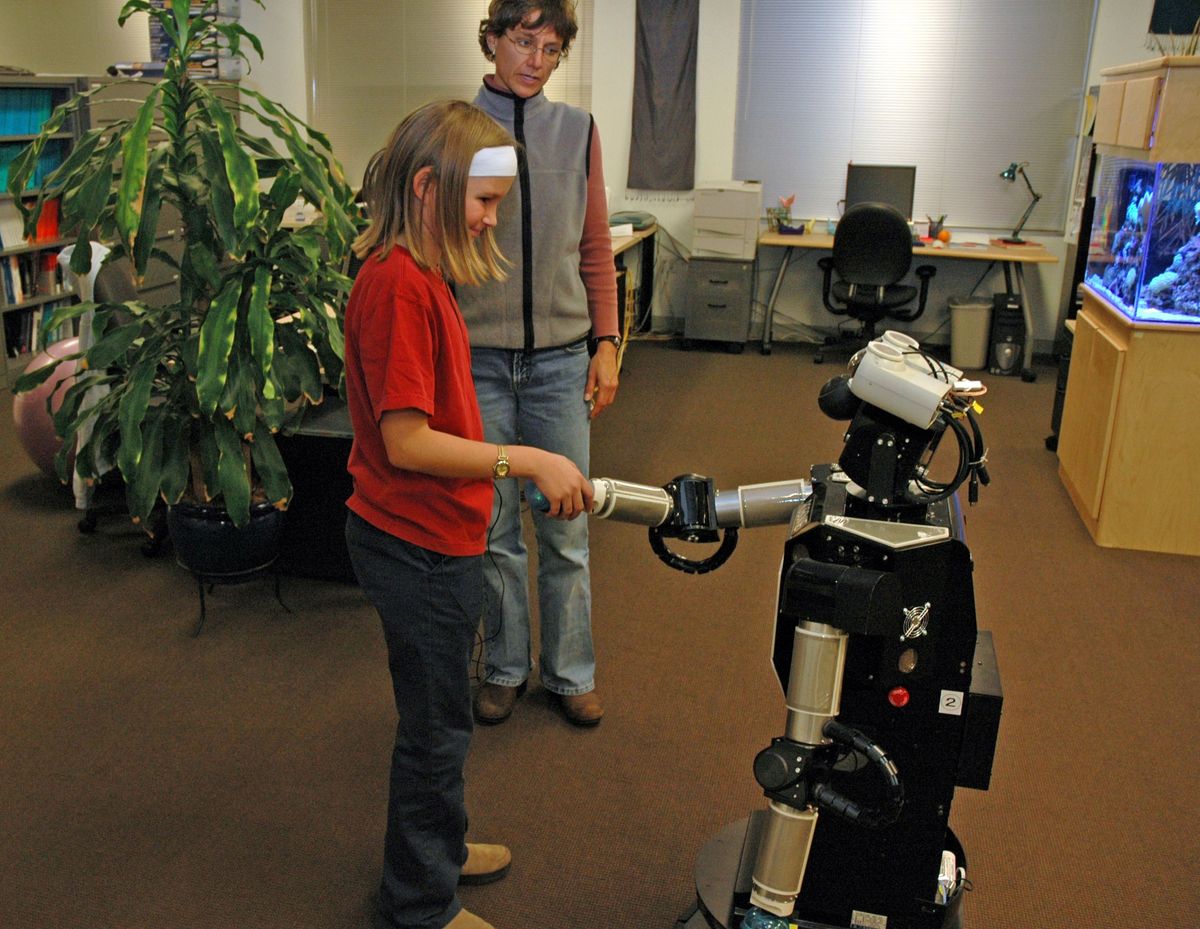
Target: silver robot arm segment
<point>691,509</point>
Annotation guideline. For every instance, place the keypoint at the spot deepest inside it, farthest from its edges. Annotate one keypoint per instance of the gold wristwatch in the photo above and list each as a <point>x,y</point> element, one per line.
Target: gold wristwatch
<point>500,468</point>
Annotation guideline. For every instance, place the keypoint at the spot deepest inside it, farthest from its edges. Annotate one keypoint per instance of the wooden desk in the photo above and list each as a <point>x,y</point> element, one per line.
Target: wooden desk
<point>1012,260</point>
<point>622,244</point>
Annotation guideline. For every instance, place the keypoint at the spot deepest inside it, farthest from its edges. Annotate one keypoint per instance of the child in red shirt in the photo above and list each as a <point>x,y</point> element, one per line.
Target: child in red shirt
<point>422,495</point>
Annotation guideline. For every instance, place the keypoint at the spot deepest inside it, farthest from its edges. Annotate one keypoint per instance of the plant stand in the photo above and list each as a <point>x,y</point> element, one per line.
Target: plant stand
<point>240,577</point>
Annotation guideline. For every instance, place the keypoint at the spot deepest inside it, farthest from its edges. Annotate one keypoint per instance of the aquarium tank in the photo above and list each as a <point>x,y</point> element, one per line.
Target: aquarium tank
<point>1144,253</point>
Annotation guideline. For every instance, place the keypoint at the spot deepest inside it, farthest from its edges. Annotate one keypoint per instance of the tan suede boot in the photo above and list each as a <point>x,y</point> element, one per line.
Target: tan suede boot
<point>485,863</point>
<point>494,702</point>
<point>582,709</point>
<point>468,920</point>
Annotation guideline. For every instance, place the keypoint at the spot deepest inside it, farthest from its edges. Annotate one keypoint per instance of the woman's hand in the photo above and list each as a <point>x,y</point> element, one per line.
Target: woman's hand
<point>603,378</point>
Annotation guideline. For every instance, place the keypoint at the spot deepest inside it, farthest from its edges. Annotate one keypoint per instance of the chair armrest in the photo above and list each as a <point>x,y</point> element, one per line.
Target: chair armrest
<point>826,265</point>
<point>924,272</point>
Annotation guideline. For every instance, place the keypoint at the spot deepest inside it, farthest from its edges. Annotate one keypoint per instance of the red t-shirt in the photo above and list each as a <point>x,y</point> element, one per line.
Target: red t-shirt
<point>406,348</point>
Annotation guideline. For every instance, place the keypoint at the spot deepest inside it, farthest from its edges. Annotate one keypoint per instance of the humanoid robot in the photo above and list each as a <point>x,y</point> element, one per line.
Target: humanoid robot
<point>893,696</point>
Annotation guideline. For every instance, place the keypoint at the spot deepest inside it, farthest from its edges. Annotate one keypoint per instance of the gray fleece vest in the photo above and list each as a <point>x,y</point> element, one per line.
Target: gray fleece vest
<point>542,304</point>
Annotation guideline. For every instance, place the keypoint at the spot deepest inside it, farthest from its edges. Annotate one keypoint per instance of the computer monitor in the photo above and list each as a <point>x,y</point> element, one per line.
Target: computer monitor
<point>890,184</point>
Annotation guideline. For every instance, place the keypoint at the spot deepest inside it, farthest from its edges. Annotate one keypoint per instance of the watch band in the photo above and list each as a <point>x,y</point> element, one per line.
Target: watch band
<point>500,468</point>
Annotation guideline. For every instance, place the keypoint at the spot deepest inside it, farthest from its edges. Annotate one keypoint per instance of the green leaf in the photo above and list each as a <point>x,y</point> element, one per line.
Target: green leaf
<point>240,401</point>
<point>134,159</point>
<point>80,153</point>
<point>259,321</point>
<point>239,166</point>
<point>132,411</point>
<point>232,477</point>
<point>112,345</point>
<point>142,483</point>
<point>81,257</point>
<point>147,232</point>
<point>35,377</point>
<point>272,471</point>
<point>176,462</point>
<point>302,362</point>
<point>216,341</point>
<point>85,207</point>
<point>220,192</point>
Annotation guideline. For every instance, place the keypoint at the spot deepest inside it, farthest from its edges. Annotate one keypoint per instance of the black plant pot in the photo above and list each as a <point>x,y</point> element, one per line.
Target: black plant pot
<point>209,545</point>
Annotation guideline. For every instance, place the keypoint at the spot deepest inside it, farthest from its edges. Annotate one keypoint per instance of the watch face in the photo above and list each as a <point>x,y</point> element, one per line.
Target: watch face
<point>501,469</point>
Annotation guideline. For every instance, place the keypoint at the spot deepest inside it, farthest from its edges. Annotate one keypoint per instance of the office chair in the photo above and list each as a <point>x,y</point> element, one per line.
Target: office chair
<point>872,252</point>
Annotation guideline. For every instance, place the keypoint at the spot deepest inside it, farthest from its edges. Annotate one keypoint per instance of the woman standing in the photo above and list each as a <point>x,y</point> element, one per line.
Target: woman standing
<point>544,353</point>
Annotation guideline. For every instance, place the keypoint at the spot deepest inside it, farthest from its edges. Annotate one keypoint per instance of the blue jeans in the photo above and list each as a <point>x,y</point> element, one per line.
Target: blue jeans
<point>429,605</point>
<point>537,399</point>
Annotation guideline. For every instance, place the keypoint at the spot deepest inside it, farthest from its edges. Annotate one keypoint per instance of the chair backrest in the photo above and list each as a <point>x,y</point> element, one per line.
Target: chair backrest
<point>872,245</point>
<point>114,283</point>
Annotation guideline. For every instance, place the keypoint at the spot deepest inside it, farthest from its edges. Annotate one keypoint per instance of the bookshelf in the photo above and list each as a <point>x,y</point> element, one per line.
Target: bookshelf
<point>30,284</point>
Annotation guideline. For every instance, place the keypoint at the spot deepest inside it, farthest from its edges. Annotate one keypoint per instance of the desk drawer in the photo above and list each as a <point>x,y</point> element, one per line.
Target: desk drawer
<point>719,300</point>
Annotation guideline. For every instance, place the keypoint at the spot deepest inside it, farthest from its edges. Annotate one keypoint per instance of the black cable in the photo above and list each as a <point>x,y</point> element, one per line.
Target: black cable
<point>935,491</point>
<point>478,668</point>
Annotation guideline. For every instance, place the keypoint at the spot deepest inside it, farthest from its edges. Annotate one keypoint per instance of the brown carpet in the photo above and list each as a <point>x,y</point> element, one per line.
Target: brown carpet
<point>149,779</point>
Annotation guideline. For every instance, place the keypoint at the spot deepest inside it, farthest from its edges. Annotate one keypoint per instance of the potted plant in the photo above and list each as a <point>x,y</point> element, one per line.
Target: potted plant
<point>194,392</point>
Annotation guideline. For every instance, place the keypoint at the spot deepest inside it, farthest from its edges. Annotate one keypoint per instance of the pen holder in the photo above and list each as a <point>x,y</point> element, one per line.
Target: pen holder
<point>778,217</point>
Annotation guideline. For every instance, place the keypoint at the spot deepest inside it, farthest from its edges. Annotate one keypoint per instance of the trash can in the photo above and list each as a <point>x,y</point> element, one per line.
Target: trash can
<point>970,325</point>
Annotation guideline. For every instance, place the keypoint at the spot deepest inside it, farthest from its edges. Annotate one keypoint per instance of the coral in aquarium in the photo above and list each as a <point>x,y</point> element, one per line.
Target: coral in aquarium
<point>1173,262</point>
<point>1121,276</point>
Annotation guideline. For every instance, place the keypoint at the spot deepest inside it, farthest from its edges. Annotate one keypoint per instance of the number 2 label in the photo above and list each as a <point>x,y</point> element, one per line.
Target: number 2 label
<point>951,703</point>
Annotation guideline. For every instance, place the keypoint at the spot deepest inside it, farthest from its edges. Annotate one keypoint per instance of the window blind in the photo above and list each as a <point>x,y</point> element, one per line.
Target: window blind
<point>959,88</point>
<point>371,62</point>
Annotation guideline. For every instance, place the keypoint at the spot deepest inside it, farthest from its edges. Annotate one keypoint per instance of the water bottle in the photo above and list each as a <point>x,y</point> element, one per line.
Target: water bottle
<point>761,919</point>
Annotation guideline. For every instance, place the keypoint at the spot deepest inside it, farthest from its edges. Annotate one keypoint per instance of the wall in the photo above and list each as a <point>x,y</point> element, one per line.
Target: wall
<point>716,100</point>
<point>69,36</point>
<point>85,39</point>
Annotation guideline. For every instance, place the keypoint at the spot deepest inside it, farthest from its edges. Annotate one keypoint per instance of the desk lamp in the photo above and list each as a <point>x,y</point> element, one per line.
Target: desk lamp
<point>1010,174</point>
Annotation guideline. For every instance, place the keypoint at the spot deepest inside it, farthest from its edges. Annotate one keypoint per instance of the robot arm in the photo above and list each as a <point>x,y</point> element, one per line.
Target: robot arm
<point>689,508</point>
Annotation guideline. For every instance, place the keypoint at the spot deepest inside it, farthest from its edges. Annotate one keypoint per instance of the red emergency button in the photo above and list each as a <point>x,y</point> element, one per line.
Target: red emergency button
<point>898,697</point>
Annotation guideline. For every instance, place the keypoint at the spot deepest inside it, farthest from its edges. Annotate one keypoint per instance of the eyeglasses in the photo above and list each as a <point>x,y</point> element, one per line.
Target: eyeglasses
<point>527,47</point>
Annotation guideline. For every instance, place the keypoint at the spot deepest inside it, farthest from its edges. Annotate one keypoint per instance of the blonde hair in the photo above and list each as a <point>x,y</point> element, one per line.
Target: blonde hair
<point>443,136</point>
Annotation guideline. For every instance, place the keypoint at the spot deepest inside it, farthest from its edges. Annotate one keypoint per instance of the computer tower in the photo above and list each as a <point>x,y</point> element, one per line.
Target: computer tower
<point>1007,343</point>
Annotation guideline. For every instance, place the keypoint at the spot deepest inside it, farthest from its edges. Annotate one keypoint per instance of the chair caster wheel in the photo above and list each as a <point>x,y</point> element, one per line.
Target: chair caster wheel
<point>818,358</point>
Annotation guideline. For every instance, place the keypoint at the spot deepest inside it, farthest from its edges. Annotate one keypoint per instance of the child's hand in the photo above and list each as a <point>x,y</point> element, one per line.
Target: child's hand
<point>565,488</point>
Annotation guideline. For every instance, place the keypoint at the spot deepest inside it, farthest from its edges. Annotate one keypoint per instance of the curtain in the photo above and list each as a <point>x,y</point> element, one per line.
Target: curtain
<point>662,149</point>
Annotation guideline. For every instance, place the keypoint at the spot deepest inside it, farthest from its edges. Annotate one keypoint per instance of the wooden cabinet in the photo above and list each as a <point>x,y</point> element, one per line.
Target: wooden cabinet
<point>1126,448</point>
<point>718,307</point>
<point>30,285</point>
<point>1150,110</point>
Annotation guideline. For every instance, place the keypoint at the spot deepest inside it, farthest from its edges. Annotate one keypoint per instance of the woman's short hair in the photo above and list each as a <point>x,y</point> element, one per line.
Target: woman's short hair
<point>558,15</point>
<point>443,136</point>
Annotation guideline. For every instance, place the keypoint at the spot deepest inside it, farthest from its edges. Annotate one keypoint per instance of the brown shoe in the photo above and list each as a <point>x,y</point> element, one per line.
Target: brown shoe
<point>468,920</point>
<point>582,709</point>
<point>485,863</point>
<point>494,702</point>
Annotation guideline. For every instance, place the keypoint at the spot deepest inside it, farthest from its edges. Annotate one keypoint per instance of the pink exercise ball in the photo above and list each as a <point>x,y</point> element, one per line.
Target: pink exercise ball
<point>35,428</point>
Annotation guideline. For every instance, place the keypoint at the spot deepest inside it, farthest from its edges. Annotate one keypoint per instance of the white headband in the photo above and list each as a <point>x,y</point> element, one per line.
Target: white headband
<point>500,161</point>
